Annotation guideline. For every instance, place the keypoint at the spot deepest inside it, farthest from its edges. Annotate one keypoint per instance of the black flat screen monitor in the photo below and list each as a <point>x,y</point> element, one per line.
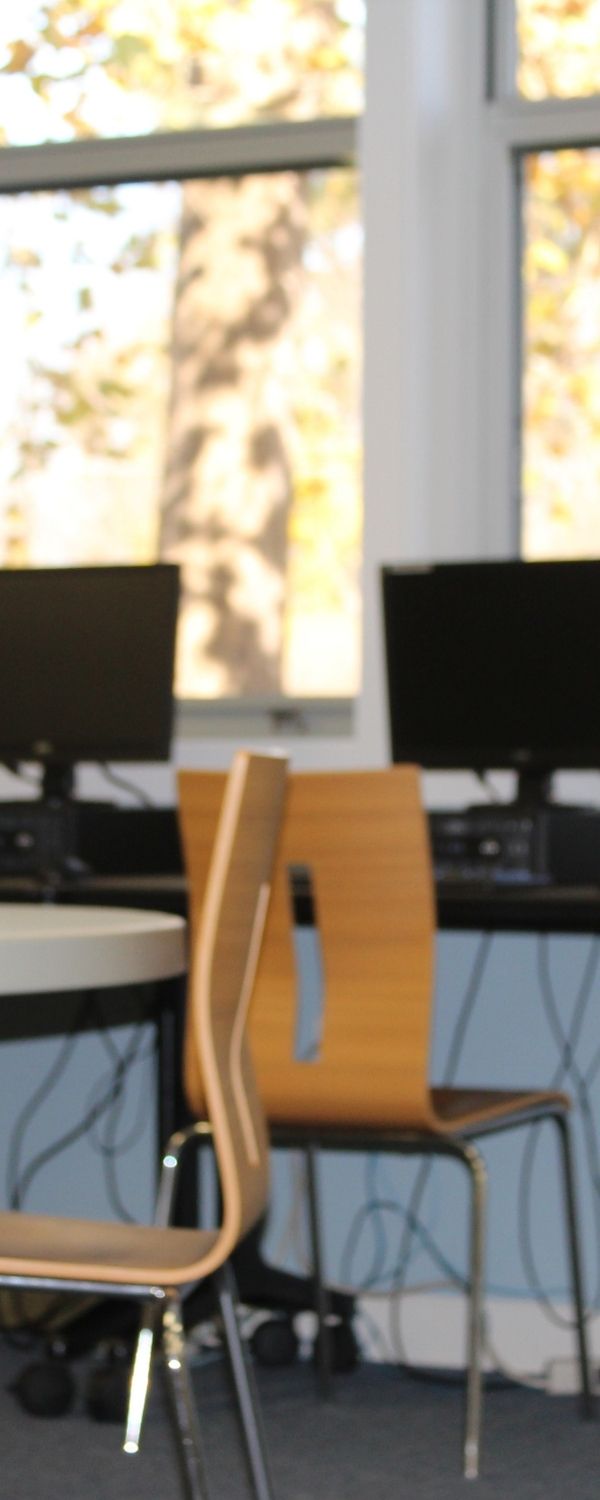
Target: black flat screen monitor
<point>86,665</point>
<point>495,665</point>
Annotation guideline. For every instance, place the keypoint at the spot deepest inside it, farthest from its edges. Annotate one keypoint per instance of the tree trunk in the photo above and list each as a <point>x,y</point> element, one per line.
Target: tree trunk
<point>228,478</point>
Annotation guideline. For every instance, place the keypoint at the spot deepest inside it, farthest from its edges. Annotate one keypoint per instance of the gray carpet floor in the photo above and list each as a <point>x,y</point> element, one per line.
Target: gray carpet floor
<point>383,1436</point>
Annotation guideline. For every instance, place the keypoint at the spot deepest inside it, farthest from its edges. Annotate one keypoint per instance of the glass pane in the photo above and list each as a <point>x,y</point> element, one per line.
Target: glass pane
<point>558,44</point>
<point>561,355</point>
<point>85,295</point>
<point>129,67</point>
<point>181,378</point>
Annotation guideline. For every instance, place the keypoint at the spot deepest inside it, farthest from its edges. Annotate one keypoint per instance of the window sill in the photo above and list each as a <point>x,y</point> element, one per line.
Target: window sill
<point>294,718</point>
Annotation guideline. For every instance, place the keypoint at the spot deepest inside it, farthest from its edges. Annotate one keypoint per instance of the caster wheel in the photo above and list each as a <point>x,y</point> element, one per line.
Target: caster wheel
<point>46,1389</point>
<point>275,1342</point>
<point>343,1348</point>
<point>107,1391</point>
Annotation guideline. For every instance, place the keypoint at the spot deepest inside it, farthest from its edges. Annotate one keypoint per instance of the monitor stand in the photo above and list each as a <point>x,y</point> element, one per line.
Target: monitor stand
<point>58,782</point>
<point>533,797</point>
<point>534,790</point>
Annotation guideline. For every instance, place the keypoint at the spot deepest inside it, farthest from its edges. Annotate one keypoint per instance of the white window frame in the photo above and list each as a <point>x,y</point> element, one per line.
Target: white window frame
<point>327,142</point>
<point>436,150</point>
<point>513,127</point>
<point>441,137</point>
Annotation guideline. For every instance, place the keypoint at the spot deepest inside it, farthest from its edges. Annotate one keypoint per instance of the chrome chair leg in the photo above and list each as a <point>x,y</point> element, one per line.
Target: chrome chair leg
<point>139,1384</point>
<point>182,1401</point>
<point>322,1304</point>
<point>243,1379</point>
<point>564,1133</point>
<point>472,1441</point>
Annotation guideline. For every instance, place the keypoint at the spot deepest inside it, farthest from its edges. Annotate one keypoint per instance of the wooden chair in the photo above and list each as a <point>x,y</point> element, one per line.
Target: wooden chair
<point>360,840</point>
<point>160,1264</point>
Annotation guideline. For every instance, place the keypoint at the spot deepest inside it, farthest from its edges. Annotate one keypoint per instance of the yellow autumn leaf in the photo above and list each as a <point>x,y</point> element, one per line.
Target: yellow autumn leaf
<point>545,255</point>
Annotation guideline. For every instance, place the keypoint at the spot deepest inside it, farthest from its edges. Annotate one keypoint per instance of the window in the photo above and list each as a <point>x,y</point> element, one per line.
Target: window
<point>550,108</point>
<point>560,193</point>
<point>180,292</point>
<point>558,48</point>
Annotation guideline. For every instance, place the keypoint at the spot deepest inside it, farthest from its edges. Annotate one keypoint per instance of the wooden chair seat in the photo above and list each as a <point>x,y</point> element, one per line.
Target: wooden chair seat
<point>87,1249</point>
<point>470,1110</point>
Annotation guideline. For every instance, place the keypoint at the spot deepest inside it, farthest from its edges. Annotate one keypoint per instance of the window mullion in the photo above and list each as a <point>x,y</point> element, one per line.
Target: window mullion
<point>521,125</point>
<point>502,48</point>
<point>195,153</point>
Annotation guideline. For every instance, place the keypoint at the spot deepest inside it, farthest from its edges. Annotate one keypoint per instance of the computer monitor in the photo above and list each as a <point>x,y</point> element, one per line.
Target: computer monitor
<point>86,666</point>
<point>495,665</point>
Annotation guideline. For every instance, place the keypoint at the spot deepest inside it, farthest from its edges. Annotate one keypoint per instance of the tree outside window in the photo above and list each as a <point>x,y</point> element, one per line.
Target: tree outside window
<point>558,58</point>
<point>182,377</point>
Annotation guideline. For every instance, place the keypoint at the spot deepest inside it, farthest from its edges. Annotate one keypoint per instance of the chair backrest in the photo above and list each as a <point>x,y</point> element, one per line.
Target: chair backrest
<point>362,837</point>
<point>227,913</point>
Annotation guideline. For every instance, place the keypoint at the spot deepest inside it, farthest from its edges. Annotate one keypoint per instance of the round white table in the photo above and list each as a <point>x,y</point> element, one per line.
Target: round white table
<point>45,948</point>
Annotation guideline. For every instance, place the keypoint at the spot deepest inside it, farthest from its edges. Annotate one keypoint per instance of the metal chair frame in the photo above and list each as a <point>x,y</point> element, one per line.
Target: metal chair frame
<point>162,1321</point>
<point>461,1148</point>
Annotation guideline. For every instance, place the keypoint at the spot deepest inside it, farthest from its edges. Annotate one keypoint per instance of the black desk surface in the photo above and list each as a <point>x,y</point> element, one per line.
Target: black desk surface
<point>138,841</point>
<point>159,892</point>
<point>505,908</point>
<point>461,906</point>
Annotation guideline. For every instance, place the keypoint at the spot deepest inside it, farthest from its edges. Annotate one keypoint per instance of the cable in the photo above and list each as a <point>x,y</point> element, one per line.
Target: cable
<point>413,1228</point>
<point>368,1214</point>
<point>40,1094</point>
<point>125,785</point>
<point>111,1099</point>
<point>110,1148</point>
<point>291,1233</point>
<point>68,1138</point>
<point>467,1007</point>
<point>419,1230</point>
<point>374,1210</point>
<point>22,1338</point>
<point>372,1213</point>
<point>19,1180</point>
<point>566,1040</point>
<point>372,1333</point>
<point>448,1076</point>
<point>114,1148</point>
<point>122,1062</point>
<point>15,768</point>
<point>512,1377</point>
<point>488,786</point>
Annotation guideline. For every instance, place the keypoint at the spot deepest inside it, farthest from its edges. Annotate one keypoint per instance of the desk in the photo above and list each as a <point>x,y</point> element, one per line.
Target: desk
<point>162,893</point>
<point>462,906</point>
<point>46,948</point>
